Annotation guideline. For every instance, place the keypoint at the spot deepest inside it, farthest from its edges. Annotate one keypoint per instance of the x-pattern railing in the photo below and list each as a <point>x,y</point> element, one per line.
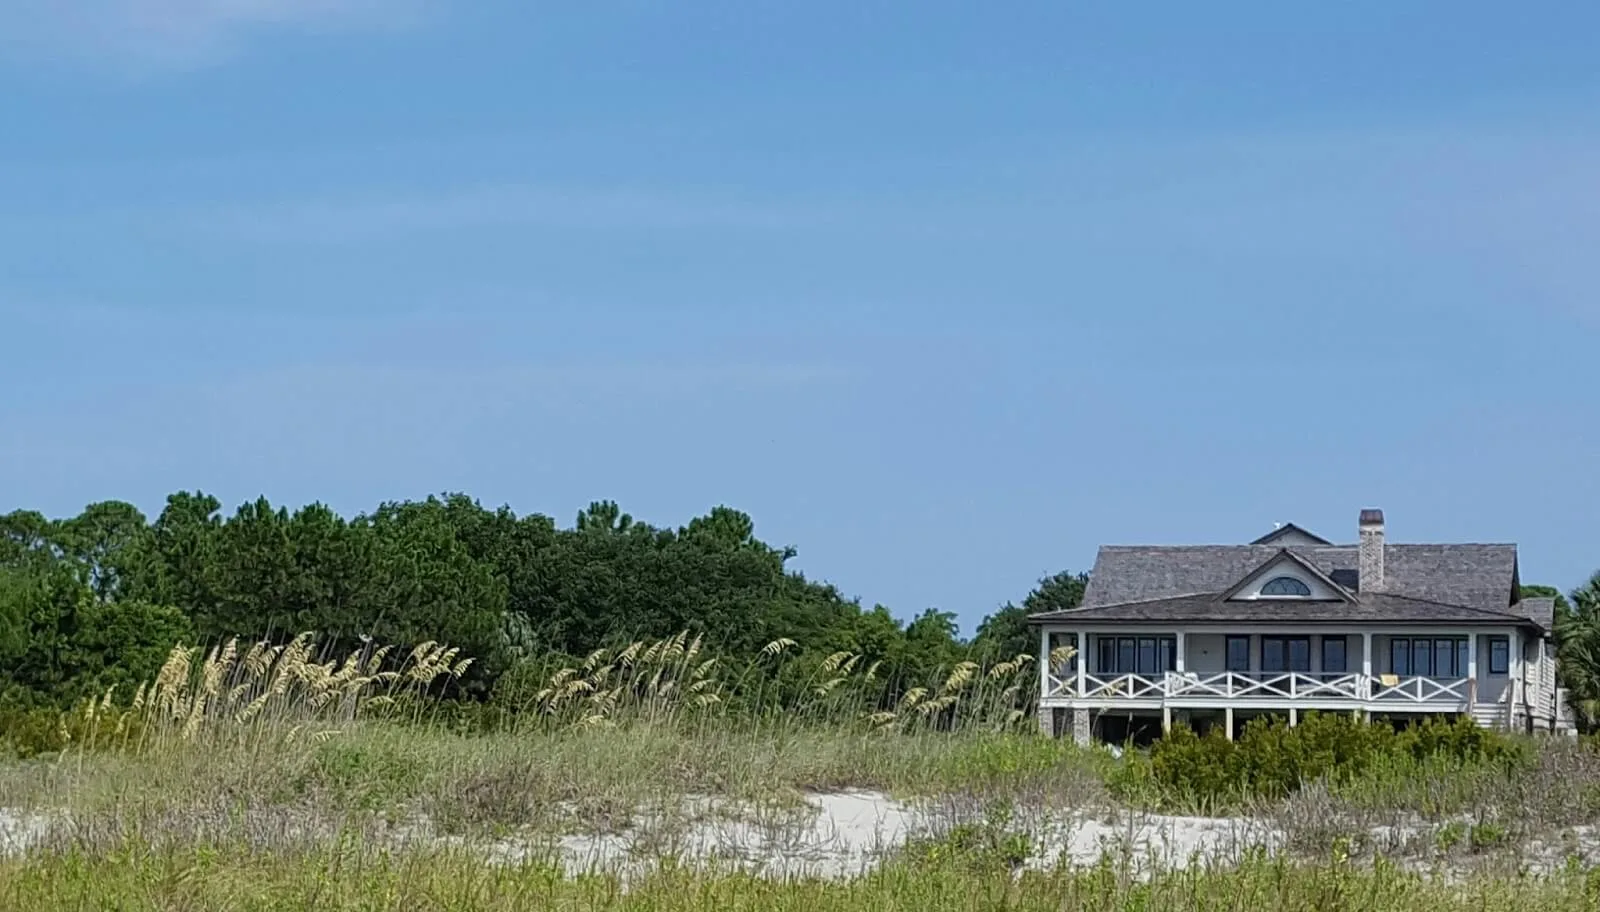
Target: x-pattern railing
<point>1260,686</point>
<point>1420,690</point>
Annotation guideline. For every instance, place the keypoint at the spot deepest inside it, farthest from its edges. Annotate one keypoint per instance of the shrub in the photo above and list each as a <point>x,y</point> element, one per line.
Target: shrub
<point>1272,759</point>
<point>1199,768</point>
<point>1460,739</point>
<point>987,847</point>
<point>26,733</point>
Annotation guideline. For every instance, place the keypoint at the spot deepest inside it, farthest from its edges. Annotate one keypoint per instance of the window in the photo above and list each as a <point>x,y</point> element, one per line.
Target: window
<point>1238,653</point>
<point>1440,657</point>
<point>1137,655</point>
<point>1499,655</point>
<point>1400,656</point>
<point>1333,655</point>
<point>1286,585</point>
<point>1285,653</point>
<point>1147,656</point>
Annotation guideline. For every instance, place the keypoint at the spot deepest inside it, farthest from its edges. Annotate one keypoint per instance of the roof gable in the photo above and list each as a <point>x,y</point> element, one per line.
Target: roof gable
<point>1287,563</point>
<point>1290,534</point>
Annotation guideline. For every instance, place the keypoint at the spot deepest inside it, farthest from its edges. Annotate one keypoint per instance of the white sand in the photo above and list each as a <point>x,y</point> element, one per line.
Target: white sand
<point>841,834</point>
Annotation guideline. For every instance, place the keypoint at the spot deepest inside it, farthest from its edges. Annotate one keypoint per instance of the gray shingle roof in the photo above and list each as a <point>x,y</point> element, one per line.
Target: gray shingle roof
<point>1369,608</point>
<point>1541,611</point>
<point>1471,576</point>
<point>1423,584</point>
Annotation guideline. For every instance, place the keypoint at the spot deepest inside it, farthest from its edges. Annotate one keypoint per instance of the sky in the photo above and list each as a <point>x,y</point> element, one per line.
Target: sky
<point>945,295</point>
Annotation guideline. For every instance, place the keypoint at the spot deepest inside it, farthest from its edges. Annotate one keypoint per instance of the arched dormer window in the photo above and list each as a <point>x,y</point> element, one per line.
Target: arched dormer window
<point>1286,585</point>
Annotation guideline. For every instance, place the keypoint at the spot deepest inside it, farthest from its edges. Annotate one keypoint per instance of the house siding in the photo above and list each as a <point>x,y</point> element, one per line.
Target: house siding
<point>1492,688</point>
<point>1206,653</point>
<point>1547,691</point>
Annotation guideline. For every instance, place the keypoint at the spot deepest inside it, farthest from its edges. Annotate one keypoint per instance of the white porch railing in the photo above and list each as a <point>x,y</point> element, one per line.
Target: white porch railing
<point>1231,685</point>
<point>1419,690</point>
<point>1228,686</point>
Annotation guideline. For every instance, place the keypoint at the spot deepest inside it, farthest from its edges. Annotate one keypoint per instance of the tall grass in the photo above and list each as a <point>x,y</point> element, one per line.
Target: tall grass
<point>281,749</point>
<point>262,697</point>
<point>673,680</point>
<point>350,878</point>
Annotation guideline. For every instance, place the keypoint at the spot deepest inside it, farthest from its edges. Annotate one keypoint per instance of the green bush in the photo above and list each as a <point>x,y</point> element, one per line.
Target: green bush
<point>37,731</point>
<point>1201,768</point>
<point>982,848</point>
<point>1272,759</point>
<point>1460,739</point>
<point>365,775</point>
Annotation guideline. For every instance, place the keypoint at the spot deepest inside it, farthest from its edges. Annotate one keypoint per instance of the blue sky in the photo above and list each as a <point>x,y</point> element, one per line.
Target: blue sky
<point>943,294</point>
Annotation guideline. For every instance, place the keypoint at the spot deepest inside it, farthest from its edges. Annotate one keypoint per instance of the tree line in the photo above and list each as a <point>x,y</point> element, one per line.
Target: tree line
<point>100,599</point>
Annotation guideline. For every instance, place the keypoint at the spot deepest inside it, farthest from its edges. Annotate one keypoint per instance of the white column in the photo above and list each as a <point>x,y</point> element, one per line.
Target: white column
<point>1180,646</point>
<point>1472,670</point>
<point>1366,665</point>
<point>1044,661</point>
<point>1083,662</point>
<point>1514,670</point>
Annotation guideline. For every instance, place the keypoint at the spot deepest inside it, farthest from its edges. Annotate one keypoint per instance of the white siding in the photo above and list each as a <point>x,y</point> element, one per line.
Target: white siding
<point>1491,687</point>
<point>1539,681</point>
<point>1548,667</point>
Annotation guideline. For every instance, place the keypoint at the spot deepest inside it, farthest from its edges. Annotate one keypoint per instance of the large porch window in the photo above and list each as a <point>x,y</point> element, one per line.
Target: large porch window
<point>1428,657</point>
<point>1136,655</point>
<point>1238,657</point>
<point>1284,654</point>
<point>1334,655</point>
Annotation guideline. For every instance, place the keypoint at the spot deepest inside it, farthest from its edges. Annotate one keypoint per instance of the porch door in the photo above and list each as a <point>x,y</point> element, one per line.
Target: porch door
<point>1285,654</point>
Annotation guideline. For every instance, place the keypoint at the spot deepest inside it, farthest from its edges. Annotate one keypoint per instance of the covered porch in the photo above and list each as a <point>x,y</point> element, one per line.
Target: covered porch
<point>1394,670</point>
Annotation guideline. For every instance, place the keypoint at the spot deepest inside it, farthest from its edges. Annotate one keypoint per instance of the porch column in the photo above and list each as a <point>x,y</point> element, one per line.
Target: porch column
<point>1472,670</point>
<point>1083,662</point>
<point>1177,659</point>
<point>1044,661</point>
<point>1514,672</point>
<point>1365,687</point>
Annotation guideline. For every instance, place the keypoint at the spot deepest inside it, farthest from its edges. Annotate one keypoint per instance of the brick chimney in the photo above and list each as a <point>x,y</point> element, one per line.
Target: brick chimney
<point>1371,570</point>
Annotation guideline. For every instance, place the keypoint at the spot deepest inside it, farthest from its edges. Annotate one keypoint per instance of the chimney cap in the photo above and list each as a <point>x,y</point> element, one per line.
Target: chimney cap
<point>1371,517</point>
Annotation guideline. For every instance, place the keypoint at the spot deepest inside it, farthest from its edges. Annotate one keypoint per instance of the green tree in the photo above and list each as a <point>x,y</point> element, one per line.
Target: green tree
<point>1005,633</point>
<point>1577,633</point>
<point>106,539</point>
<point>176,563</point>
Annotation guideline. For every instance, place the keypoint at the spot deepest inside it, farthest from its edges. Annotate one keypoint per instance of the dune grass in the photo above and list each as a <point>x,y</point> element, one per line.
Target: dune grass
<point>269,777</point>
<point>352,878</point>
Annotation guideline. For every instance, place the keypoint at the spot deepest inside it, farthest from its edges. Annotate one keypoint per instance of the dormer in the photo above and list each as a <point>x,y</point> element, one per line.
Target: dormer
<point>1287,577</point>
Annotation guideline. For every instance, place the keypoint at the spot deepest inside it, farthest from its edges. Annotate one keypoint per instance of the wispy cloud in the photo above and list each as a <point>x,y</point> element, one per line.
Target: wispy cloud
<point>355,219</point>
<point>177,33</point>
